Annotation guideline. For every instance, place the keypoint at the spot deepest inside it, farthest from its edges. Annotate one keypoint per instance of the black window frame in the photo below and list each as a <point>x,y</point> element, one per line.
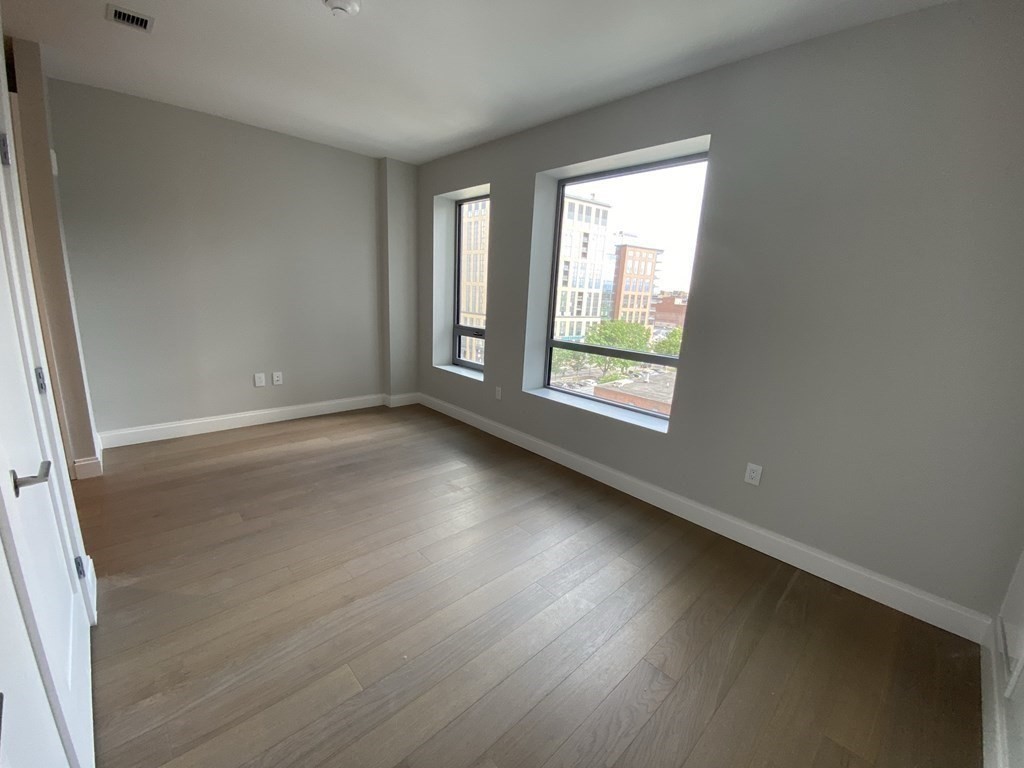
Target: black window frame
<point>624,354</point>
<point>458,330</point>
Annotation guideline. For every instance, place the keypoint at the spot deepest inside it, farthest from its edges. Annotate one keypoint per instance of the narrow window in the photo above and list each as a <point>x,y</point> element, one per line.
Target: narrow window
<point>471,228</point>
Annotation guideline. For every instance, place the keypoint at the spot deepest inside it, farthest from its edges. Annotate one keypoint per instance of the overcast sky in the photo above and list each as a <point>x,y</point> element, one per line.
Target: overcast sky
<point>662,208</point>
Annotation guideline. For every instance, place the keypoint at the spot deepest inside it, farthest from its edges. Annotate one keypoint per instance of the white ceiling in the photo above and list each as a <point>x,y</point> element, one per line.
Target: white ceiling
<point>412,79</point>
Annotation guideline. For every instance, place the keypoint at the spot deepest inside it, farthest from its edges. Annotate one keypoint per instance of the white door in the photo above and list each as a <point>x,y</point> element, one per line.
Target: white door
<point>38,529</point>
<point>36,546</point>
<point>28,732</point>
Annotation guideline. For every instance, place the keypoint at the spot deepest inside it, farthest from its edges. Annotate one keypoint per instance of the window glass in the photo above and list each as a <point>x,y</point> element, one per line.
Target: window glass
<point>472,225</point>
<point>617,337</point>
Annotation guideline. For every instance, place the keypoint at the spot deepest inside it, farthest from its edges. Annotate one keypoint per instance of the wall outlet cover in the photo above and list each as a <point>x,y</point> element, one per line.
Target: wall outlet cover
<point>753,474</point>
<point>277,378</point>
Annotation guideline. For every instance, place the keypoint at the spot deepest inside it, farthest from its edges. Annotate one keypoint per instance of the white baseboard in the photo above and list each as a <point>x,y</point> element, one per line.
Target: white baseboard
<point>397,401</point>
<point>90,467</point>
<point>915,602</point>
<point>152,432</point>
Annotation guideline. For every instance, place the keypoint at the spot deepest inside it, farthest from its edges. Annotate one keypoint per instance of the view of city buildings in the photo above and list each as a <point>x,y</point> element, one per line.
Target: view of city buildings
<point>581,267</point>
<point>636,270</point>
<point>669,309</point>
<point>608,289</point>
<point>620,287</point>
<point>609,294</point>
<point>474,225</point>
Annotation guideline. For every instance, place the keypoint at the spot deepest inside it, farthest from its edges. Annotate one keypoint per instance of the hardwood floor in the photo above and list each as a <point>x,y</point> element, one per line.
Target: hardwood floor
<point>393,588</point>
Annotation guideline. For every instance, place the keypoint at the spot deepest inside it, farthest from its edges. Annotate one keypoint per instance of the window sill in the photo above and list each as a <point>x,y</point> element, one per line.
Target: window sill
<point>608,410</point>
<point>461,370</point>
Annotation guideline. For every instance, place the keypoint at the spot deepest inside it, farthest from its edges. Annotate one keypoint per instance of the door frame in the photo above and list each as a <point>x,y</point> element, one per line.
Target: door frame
<point>17,142</point>
<point>14,260</point>
<point>19,267</point>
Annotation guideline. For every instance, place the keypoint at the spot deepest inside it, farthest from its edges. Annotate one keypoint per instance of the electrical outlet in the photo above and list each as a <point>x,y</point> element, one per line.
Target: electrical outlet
<point>259,379</point>
<point>753,475</point>
<point>277,378</point>
<point>497,393</point>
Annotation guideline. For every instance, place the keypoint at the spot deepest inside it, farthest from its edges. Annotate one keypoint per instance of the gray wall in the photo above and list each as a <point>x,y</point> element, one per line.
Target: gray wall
<point>856,316</point>
<point>203,250</point>
<point>396,221</point>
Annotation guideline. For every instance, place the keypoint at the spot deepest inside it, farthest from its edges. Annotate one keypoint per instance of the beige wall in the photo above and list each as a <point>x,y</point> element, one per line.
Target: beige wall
<point>856,313</point>
<point>203,250</point>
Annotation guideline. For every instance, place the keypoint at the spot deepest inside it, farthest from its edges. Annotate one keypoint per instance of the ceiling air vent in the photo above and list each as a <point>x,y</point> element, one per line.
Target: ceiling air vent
<point>129,18</point>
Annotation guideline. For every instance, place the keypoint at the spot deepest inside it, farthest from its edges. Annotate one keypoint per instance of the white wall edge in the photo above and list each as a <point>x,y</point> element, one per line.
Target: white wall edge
<point>90,591</point>
<point>995,738</point>
<point>90,467</point>
<point>397,401</point>
<point>915,602</point>
<point>152,432</point>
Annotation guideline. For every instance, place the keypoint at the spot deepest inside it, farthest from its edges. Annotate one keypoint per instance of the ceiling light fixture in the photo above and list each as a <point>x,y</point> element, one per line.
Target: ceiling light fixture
<point>339,7</point>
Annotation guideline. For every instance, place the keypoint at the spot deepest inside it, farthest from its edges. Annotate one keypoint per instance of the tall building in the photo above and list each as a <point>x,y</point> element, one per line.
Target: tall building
<point>474,222</point>
<point>636,270</point>
<point>669,309</point>
<point>581,265</point>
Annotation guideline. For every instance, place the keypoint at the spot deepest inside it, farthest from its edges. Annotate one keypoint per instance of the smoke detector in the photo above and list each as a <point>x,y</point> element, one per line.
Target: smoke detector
<point>340,7</point>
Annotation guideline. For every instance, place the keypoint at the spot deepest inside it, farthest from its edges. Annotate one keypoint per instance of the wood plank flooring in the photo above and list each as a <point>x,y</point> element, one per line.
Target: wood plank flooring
<point>392,588</point>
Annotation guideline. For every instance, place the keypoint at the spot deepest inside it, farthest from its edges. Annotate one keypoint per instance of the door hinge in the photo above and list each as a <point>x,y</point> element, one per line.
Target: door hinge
<point>5,149</point>
<point>41,380</point>
<point>80,567</point>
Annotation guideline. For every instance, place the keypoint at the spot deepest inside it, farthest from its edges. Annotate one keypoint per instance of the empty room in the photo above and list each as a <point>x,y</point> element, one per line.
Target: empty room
<point>563,384</point>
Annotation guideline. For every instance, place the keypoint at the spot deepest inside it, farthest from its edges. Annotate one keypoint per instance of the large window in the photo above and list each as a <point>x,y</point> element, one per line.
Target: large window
<point>472,225</point>
<point>625,246</point>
